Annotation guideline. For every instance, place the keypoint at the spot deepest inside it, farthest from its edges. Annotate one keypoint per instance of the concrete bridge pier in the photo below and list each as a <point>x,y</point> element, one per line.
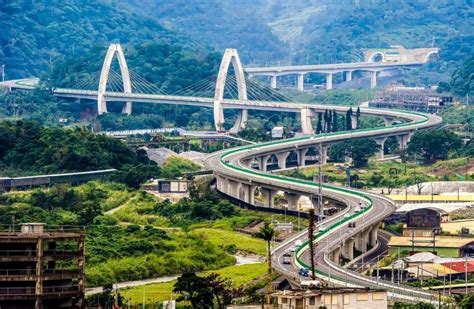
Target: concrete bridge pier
<point>403,140</point>
<point>328,81</point>
<point>381,142</point>
<point>292,199</point>
<point>301,156</point>
<point>323,155</point>
<point>248,193</point>
<point>347,159</point>
<point>262,162</point>
<point>348,249</point>
<point>362,240</point>
<point>241,121</point>
<point>247,162</point>
<point>221,184</point>
<point>373,79</point>
<point>388,121</point>
<point>348,76</point>
<point>300,82</point>
<point>306,116</point>
<point>233,188</point>
<point>336,255</point>
<point>354,121</point>
<point>319,211</point>
<point>273,81</point>
<point>373,235</point>
<point>268,196</point>
<point>281,158</point>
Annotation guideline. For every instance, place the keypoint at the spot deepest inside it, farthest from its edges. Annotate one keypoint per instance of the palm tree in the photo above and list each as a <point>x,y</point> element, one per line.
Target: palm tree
<point>267,232</point>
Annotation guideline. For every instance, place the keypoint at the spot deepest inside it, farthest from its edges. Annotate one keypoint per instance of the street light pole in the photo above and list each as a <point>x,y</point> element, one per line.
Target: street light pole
<point>3,72</point>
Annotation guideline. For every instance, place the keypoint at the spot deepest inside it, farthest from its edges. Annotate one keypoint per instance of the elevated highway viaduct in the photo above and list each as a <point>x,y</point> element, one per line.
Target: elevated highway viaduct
<point>236,178</point>
<point>375,61</point>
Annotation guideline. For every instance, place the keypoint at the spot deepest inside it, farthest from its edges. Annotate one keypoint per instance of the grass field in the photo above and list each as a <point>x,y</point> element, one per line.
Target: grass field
<point>241,241</point>
<point>240,275</point>
<point>454,227</point>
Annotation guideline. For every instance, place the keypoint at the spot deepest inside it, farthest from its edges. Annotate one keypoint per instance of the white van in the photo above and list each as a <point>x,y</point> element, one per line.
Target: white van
<point>309,284</point>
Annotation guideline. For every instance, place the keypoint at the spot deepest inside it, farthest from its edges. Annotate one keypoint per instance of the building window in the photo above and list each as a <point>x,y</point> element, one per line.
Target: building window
<point>312,300</point>
<point>378,296</point>
<point>347,299</point>
<point>362,296</point>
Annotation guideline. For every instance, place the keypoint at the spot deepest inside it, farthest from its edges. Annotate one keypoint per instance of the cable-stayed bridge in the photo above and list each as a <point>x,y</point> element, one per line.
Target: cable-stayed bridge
<point>239,180</point>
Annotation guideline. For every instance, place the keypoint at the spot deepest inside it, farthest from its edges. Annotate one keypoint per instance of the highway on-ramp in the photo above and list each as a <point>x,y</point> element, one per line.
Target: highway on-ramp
<point>230,163</point>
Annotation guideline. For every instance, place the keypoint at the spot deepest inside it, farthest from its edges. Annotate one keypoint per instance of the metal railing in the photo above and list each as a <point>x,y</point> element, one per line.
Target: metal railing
<point>32,272</point>
<point>31,290</point>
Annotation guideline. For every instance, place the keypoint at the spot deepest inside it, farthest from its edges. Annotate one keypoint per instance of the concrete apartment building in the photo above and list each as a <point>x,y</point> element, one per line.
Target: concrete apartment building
<point>41,268</point>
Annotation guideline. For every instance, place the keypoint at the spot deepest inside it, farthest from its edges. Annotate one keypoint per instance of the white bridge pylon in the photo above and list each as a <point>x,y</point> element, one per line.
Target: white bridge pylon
<point>104,76</point>
<point>230,56</point>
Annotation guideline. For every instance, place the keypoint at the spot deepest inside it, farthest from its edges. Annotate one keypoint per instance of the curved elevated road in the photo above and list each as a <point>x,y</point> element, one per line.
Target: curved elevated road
<point>231,164</point>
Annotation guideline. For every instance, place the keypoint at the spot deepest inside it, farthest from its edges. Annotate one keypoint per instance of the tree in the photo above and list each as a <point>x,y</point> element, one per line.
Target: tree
<point>467,301</point>
<point>357,118</point>
<point>434,144</point>
<point>335,121</point>
<point>462,80</point>
<point>361,149</point>
<point>267,232</point>
<point>223,290</point>
<point>195,290</point>
<point>327,121</point>
<point>319,125</point>
<point>349,119</point>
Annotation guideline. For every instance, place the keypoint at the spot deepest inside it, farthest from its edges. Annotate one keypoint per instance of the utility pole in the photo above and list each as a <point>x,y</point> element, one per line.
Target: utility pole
<point>311,242</point>
<point>320,178</point>
<point>3,72</point>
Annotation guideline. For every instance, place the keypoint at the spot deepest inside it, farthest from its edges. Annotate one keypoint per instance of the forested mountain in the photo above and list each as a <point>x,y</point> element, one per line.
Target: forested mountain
<point>220,24</point>
<point>36,33</point>
<point>323,31</point>
<point>343,30</point>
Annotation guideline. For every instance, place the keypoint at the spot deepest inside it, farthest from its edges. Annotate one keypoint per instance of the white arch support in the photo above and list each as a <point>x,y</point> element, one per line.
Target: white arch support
<point>230,56</point>
<point>104,76</point>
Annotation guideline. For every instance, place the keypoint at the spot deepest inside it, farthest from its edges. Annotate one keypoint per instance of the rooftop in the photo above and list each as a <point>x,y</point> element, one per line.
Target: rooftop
<point>441,241</point>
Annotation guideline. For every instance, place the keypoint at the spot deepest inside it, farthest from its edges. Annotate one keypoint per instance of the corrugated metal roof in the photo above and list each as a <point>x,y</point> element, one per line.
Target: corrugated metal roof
<point>441,241</point>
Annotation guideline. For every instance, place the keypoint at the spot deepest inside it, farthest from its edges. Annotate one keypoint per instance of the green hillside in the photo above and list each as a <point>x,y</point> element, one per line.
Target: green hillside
<point>219,24</point>
<point>36,33</point>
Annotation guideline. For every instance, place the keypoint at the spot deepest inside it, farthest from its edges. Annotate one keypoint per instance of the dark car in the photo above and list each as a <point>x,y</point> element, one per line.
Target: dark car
<point>303,272</point>
<point>352,224</point>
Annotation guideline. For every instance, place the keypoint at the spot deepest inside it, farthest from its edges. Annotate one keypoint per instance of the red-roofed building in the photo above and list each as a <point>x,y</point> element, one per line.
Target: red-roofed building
<point>460,266</point>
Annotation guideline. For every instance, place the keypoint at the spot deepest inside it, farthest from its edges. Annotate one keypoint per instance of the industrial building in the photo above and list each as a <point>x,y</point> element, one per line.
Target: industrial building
<point>415,98</point>
<point>41,268</point>
<point>448,246</point>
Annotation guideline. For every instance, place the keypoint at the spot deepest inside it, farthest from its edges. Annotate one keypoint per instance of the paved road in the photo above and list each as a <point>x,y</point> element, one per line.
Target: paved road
<point>229,164</point>
<point>241,260</point>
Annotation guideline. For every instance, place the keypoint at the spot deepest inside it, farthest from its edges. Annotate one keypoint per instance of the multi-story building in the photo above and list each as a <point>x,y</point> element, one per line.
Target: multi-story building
<point>41,268</point>
<point>332,298</point>
<point>415,98</point>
